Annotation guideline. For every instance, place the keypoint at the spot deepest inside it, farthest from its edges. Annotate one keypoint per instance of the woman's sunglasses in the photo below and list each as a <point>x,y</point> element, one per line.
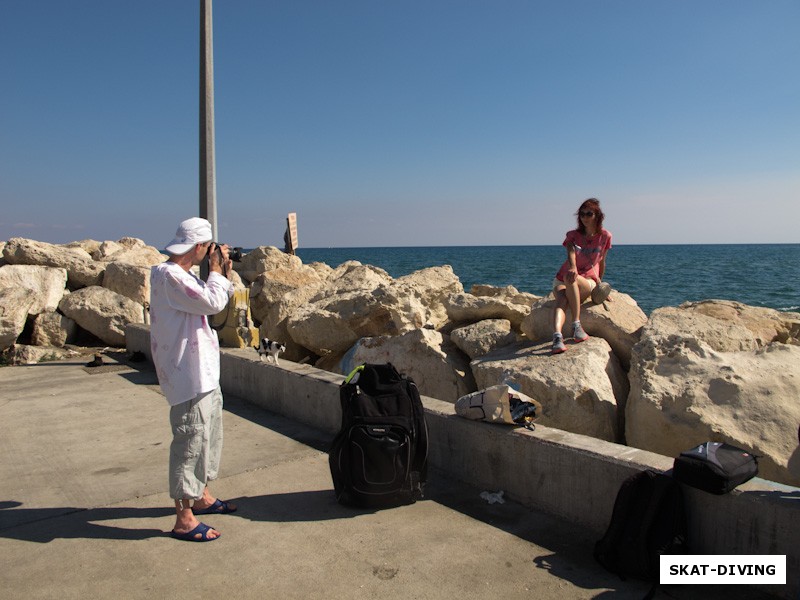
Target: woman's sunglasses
<point>587,213</point>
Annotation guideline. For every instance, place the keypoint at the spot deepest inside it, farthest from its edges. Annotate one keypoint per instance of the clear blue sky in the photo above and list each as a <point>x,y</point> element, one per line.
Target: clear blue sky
<point>404,122</point>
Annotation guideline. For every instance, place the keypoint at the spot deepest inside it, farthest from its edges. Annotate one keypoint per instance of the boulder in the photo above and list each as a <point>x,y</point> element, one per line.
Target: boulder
<point>696,377</point>
<point>105,250</point>
<point>263,259</point>
<point>508,293</point>
<point>581,391</point>
<point>467,308</point>
<point>132,251</point>
<point>619,321</point>
<point>429,290</point>
<point>46,284</point>
<point>483,337</point>
<point>129,280</point>
<point>322,331</point>
<point>21,354</point>
<point>81,270</point>
<point>322,270</point>
<point>102,313</point>
<point>353,276</point>
<point>89,246</point>
<point>274,325</point>
<point>362,301</point>
<point>2,260</point>
<point>53,329</point>
<point>15,304</point>
<point>745,327</point>
<point>269,287</point>
<point>238,282</point>
<point>436,366</point>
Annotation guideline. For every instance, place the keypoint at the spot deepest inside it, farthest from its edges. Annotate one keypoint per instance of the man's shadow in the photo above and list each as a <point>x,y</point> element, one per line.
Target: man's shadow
<point>44,525</point>
<point>47,524</point>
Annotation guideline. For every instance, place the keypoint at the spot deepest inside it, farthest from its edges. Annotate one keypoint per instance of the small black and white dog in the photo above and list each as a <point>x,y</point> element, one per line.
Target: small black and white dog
<point>270,349</point>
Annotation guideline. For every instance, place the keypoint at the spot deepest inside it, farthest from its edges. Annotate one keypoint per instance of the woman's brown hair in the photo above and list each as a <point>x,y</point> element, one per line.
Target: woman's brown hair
<point>592,204</point>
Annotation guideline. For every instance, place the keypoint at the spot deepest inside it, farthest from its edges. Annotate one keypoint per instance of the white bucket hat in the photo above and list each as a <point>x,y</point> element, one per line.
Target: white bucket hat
<point>192,231</point>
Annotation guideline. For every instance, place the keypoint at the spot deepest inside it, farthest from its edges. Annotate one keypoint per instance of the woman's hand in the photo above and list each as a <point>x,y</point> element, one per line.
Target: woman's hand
<point>571,275</point>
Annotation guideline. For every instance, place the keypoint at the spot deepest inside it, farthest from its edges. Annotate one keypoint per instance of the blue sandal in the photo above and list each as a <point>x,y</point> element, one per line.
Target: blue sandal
<point>191,536</point>
<point>220,507</point>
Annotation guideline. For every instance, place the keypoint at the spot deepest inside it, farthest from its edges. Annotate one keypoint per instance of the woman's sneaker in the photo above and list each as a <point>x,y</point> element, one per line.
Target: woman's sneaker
<point>558,344</point>
<point>578,334</point>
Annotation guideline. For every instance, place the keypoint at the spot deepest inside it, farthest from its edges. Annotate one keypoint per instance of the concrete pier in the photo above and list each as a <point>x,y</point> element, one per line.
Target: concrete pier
<point>84,510</point>
<point>569,476</point>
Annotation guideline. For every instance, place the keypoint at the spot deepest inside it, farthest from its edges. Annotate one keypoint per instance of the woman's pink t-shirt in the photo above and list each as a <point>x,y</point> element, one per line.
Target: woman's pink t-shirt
<point>588,253</point>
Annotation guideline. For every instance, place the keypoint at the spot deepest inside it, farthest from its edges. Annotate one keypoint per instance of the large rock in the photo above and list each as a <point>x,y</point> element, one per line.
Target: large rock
<point>696,377</point>
<point>263,259</point>
<point>53,329</point>
<point>81,269</point>
<point>105,250</point>
<point>467,308</point>
<point>428,291</point>
<point>15,304</point>
<point>129,250</point>
<point>619,321</point>
<point>730,326</point>
<point>129,280</point>
<point>322,270</point>
<point>89,246</point>
<point>46,284</point>
<point>362,301</point>
<point>508,293</point>
<point>483,337</point>
<point>21,354</point>
<point>436,366</point>
<point>582,390</point>
<point>102,313</point>
<point>269,287</point>
<point>275,321</point>
<point>353,276</point>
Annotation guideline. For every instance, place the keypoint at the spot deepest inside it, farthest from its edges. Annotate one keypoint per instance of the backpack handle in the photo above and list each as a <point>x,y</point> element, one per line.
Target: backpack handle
<point>354,374</point>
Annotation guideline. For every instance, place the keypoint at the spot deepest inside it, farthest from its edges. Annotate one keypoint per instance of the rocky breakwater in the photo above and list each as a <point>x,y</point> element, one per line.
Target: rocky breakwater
<point>713,370</point>
<point>52,296</point>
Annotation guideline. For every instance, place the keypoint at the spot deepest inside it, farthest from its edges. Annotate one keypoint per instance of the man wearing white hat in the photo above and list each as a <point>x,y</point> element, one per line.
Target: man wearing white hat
<point>186,356</point>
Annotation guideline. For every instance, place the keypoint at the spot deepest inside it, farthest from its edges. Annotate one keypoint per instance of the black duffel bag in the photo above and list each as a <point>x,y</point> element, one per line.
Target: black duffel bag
<point>715,467</point>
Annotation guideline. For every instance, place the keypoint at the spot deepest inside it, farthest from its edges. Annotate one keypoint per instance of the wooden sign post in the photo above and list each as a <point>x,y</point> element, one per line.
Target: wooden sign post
<point>290,237</point>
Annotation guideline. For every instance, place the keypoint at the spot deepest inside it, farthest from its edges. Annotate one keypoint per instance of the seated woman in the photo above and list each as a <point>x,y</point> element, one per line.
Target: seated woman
<point>583,270</point>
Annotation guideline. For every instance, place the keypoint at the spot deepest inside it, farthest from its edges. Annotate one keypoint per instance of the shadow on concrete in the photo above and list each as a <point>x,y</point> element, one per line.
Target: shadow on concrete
<point>44,525</point>
<point>314,438</point>
<point>786,494</point>
<point>296,507</point>
<point>567,544</point>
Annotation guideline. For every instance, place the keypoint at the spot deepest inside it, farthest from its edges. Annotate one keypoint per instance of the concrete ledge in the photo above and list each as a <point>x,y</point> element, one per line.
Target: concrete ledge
<point>564,474</point>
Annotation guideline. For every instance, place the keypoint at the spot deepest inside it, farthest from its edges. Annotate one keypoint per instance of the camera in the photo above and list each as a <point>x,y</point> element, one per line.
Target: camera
<point>234,253</point>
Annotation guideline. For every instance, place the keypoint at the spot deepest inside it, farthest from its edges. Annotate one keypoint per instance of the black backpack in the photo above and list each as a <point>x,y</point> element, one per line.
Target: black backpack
<point>379,457</point>
<point>648,520</point>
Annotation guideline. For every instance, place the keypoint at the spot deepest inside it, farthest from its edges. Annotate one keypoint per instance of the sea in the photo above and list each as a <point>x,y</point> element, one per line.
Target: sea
<point>765,275</point>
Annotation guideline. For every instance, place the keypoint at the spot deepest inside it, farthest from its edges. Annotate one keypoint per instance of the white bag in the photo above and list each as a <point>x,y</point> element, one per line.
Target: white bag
<point>499,404</point>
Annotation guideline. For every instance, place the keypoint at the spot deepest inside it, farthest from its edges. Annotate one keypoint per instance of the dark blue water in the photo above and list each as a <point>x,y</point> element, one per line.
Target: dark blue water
<point>656,275</point>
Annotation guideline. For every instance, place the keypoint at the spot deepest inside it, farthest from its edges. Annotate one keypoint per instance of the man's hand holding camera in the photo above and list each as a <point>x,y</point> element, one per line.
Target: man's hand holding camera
<point>219,260</point>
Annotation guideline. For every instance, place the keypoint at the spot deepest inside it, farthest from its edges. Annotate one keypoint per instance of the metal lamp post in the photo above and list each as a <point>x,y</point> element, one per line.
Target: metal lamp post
<point>208,172</point>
